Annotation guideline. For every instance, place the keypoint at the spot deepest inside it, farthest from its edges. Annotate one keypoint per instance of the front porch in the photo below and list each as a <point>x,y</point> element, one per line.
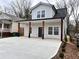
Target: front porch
<point>5,28</point>
<point>40,28</point>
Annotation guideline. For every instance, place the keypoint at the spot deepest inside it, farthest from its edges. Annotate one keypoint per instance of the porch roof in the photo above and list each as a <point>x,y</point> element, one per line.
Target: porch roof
<point>38,19</point>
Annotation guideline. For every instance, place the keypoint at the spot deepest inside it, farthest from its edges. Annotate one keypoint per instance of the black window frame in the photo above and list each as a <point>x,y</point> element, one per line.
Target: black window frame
<point>43,13</point>
<point>56,30</point>
<point>7,26</point>
<point>38,14</point>
<point>50,30</point>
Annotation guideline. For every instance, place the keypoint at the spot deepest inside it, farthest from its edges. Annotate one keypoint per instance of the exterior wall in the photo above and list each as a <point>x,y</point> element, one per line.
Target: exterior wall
<point>48,14</point>
<point>46,35</point>
<point>35,25</point>
<point>35,29</point>
<point>22,25</point>
<point>48,23</point>
<point>26,29</point>
<point>14,27</point>
<point>52,25</point>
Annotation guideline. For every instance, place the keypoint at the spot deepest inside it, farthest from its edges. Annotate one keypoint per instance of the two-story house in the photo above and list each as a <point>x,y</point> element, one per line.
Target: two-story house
<point>46,22</point>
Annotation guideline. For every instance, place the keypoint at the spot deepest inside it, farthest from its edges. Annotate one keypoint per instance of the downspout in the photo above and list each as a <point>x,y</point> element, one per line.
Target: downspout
<point>62,29</point>
<point>29,29</point>
<point>18,27</point>
<point>43,29</point>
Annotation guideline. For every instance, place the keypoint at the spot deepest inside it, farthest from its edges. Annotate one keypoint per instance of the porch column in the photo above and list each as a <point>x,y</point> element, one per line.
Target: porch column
<point>43,23</point>
<point>29,29</point>
<point>62,29</point>
<point>18,27</point>
<point>2,30</point>
<point>2,26</point>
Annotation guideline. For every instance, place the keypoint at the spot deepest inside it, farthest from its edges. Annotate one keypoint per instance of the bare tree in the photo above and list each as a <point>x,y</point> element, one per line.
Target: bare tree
<point>72,10</point>
<point>21,8</point>
<point>72,7</point>
<point>76,14</point>
<point>69,6</point>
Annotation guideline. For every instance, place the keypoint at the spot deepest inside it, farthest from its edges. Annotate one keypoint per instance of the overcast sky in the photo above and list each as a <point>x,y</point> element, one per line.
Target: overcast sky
<point>34,2</point>
<point>4,2</point>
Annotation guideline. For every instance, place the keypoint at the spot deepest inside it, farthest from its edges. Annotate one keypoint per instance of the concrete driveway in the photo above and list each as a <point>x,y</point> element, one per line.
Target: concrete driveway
<point>25,48</point>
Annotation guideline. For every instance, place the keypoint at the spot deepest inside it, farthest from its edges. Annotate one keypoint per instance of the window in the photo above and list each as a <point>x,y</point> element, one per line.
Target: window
<point>38,14</point>
<point>43,13</point>
<point>56,30</point>
<point>50,30</point>
<point>6,25</point>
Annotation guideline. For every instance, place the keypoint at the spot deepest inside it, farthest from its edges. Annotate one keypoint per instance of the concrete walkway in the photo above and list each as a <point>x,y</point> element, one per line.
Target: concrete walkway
<point>25,48</point>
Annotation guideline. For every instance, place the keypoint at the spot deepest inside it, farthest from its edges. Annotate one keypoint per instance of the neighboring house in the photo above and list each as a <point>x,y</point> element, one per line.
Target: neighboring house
<point>6,24</point>
<point>46,22</point>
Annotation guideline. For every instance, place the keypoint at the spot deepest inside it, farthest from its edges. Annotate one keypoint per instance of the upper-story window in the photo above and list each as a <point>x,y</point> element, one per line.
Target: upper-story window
<point>43,13</point>
<point>38,14</point>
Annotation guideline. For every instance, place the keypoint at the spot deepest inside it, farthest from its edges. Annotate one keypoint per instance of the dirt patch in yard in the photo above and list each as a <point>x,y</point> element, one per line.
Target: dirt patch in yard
<point>71,51</point>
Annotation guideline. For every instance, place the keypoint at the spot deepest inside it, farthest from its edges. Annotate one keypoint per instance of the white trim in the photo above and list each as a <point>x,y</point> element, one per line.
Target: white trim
<point>40,3</point>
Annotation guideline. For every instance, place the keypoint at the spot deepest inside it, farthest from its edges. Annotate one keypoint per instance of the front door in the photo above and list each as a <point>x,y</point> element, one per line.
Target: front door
<point>21,31</point>
<point>40,32</point>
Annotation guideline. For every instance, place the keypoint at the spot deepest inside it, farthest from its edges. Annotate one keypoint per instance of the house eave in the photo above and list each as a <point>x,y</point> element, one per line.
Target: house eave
<point>41,3</point>
<point>39,19</point>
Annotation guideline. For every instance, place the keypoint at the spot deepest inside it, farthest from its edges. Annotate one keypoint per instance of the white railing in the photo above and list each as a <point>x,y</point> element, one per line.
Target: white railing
<point>5,30</point>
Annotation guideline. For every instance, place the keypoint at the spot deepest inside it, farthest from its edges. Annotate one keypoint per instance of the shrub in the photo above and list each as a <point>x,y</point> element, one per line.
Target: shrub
<point>15,34</point>
<point>64,45</point>
<point>65,38</point>
<point>63,50</point>
<point>61,55</point>
<point>71,39</point>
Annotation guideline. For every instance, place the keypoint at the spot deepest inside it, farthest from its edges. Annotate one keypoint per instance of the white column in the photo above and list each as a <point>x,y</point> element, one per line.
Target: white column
<point>2,26</point>
<point>2,29</point>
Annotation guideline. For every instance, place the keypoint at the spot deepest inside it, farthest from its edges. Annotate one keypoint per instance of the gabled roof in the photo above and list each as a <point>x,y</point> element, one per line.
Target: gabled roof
<point>8,17</point>
<point>42,3</point>
<point>4,16</point>
<point>12,17</point>
<point>60,13</point>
